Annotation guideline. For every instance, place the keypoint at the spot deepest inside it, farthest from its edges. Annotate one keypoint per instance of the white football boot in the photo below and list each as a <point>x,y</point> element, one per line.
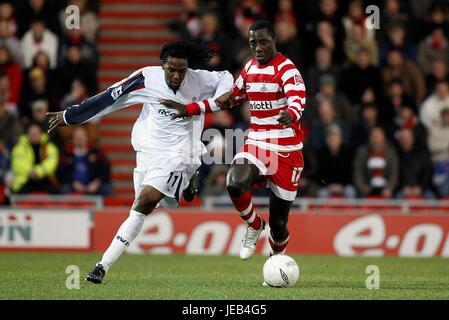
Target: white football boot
<point>249,241</point>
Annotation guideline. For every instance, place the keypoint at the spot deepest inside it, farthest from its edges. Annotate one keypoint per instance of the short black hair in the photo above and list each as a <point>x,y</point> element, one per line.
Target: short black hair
<point>263,24</point>
<point>197,55</point>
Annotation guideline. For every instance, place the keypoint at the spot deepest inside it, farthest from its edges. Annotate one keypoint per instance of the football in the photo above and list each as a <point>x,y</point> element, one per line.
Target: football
<point>280,270</point>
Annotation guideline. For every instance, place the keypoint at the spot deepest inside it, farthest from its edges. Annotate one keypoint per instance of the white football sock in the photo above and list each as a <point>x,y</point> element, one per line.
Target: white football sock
<point>127,232</point>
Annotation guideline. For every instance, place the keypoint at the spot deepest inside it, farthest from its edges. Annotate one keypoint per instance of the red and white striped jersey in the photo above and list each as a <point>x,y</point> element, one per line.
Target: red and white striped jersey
<point>271,88</point>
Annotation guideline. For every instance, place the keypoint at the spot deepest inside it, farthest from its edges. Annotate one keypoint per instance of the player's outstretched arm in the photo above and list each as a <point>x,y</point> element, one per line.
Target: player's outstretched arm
<point>120,95</point>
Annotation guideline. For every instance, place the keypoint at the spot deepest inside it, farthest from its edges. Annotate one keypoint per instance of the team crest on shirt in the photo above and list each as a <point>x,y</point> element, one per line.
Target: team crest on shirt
<point>263,88</point>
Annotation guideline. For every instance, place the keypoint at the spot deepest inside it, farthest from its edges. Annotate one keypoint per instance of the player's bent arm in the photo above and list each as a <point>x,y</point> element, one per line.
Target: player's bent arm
<point>295,90</point>
<point>221,84</point>
<point>122,94</point>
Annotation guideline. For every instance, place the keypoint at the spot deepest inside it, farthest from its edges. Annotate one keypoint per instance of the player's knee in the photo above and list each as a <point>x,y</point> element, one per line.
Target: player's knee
<point>235,185</point>
<point>234,190</point>
<point>145,203</point>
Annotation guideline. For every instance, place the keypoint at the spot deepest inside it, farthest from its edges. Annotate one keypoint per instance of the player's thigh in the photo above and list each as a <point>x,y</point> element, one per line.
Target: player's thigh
<point>248,167</point>
<point>284,181</point>
<point>147,199</point>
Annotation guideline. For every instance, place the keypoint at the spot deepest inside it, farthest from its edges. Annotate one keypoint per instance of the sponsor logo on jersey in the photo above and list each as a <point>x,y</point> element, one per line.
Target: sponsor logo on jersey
<point>298,79</point>
<point>166,113</point>
<point>260,105</point>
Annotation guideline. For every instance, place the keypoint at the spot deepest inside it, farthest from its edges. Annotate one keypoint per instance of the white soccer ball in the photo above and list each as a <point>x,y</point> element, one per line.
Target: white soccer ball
<point>281,270</point>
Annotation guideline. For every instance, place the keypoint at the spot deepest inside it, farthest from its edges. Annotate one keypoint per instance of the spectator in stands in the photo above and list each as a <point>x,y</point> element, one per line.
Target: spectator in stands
<point>4,170</point>
<point>362,75</point>
<point>435,46</point>
<point>395,99</point>
<point>88,51</point>
<point>215,184</point>
<point>369,119</point>
<point>323,66</point>
<point>215,39</point>
<point>39,38</point>
<point>439,149</point>
<point>407,118</point>
<point>356,41</point>
<point>89,23</point>
<point>10,41</point>
<point>7,15</point>
<point>325,36</point>
<point>419,10</point>
<point>12,68</point>
<point>52,76</point>
<point>376,167</point>
<point>308,185</point>
<point>328,91</point>
<point>327,115</point>
<point>83,167</point>
<point>246,13</point>
<point>356,17</point>
<point>240,48</point>
<point>10,128</point>
<point>39,109</point>
<point>77,94</point>
<point>286,12</point>
<point>287,41</point>
<point>6,96</point>
<point>335,166</point>
<point>415,168</point>
<point>38,90</point>
<point>408,72</point>
<point>397,40</point>
<point>329,30</point>
<point>430,110</point>
<point>75,66</point>
<point>440,72</point>
<point>34,161</point>
<point>437,17</point>
<point>42,10</point>
<point>188,26</point>
<point>392,15</point>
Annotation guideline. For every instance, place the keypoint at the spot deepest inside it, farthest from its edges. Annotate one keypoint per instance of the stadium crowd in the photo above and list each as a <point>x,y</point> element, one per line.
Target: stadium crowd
<point>377,117</point>
<point>45,66</point>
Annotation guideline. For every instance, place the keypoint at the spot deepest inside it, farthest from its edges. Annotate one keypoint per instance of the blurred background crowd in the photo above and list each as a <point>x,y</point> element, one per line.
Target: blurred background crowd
<point>377,116</point>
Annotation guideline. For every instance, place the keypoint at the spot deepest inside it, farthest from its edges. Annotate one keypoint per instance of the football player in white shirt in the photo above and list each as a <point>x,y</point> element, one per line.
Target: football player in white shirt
<point>168,152</point>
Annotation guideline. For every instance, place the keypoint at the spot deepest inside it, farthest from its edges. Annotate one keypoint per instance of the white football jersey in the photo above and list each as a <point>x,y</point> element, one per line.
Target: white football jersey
<point>154,130</point>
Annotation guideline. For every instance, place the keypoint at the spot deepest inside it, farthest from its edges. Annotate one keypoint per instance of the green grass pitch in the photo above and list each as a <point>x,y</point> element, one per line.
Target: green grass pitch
<point>171,277</point>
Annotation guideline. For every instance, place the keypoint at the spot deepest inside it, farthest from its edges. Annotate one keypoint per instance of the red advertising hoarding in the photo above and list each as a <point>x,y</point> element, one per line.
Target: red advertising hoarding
<point>333,233</point>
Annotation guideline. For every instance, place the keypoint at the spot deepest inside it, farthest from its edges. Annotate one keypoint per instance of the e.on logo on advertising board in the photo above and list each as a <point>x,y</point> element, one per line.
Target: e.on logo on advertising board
<point>45,229</point>
<point>206,233</point>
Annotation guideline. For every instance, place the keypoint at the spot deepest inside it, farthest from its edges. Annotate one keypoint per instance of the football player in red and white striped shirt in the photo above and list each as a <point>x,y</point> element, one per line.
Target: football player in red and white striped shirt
<point>272,153</point>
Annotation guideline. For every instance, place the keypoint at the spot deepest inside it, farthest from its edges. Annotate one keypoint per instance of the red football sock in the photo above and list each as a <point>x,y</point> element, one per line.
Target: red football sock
<point>278,246</point>
<point>245,208</point>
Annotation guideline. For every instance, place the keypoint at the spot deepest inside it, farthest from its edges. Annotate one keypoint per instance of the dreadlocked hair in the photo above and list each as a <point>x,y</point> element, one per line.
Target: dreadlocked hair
<point>197,55</point>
